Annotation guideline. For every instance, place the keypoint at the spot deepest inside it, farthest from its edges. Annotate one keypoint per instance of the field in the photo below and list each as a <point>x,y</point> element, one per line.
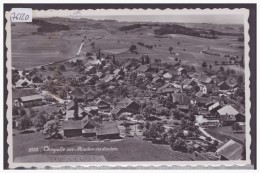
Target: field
<point>61,45</point>
<point>222,133</point>
<point>124,150</point>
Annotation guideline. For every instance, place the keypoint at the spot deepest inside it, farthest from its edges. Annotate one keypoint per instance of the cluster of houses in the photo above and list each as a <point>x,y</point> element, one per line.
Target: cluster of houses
<point>184,87</point>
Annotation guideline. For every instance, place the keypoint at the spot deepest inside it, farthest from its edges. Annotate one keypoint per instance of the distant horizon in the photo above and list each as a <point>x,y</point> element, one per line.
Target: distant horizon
<point>196,19</point>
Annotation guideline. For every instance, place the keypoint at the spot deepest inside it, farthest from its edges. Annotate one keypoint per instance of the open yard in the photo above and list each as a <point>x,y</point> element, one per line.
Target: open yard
<point>124,150</point>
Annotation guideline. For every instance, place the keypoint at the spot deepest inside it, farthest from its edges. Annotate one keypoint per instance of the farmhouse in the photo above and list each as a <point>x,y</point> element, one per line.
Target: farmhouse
<point>230,151</point>
<point>21,84</point>
<point>228,115</point>
<point>30,101</point>
<point>223,86</point>
<point>182,71</point>
<point>158,80</point>
<point>190,82</point>
<point>170,74</point>
<point>180,99</point>
<point>126,105</point>
<point>78,93</point>
<point>144,68</point>
<point>101,104</point>
<point>72,128</point>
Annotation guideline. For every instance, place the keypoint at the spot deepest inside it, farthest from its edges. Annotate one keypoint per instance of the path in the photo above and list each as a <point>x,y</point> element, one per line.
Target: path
<point>53,96</point>
<point>208,135</point>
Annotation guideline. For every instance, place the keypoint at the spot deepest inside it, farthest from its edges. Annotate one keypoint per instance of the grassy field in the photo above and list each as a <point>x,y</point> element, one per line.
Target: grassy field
<point>222,133</point>
<point>17,93</point>
<point>56,46</point>
<point>124,150</point>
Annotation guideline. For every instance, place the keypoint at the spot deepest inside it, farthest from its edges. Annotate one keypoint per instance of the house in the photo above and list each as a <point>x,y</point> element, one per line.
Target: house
<point>182,71</point>
<point>165,86</point>
<point>91,69</point>
<point>100,75</point>
<point>72,128</point>
<point>21,84</point>
<point>183,108</point>
<point>228,115</point>
<point>126,105</point>
<point>101,104</point>
<point>89,126</point>
<point>31,101</point>
<point>117,72</point>
<point>90,81</point>
<point>108,130</point>
<point>92,110</point>
<point>227,120</point>
<point>78,93</point>
<point>181,99</point>
<point>170,74</point>
<point>230,151</point>
<point>190,82</point>
<point>206,80</point>
<point>71,105</point>
<point>108,78</point>
<point>158,80</point>
<point>223,86</point>
<point>144,68</point>
<point>213,108</point>
<point>201,94</point>
<point>202,101</point>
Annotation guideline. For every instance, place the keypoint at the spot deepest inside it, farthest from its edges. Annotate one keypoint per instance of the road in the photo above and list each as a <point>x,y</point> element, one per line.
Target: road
<point>53,96</point>
<point>208,135</point>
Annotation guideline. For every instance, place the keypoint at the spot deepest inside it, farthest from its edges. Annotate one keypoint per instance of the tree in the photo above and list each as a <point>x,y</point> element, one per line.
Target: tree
<point>92,44</point>
<point>243,154</point>
<point>179,145</point>
<point>24,123</point>
<point>156,129</point>
<point>132,48</point>
<point>42,68</point>
<point>127,130</point>
<point>210,66</point>
<point>170,49</point>
<point>221,69</point>
<point>204,64</point>
<point>50,128</point>
<point>176,59</point>
<point>62,68</point>
<point>39,121</point>
<point>22,112</point>
<point>178,43</point>
<point>140,126</point>
<point>223,62</point>
<point>216,62</point>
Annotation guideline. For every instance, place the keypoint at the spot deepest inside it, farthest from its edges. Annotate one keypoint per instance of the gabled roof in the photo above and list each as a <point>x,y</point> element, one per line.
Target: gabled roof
<point>181,98</point>
<point>157,79</point>
<point>124,103</point>
<point>215,105</point>
<point>70,105</point>
<point>200,94</point>
<point>71,125</point>
<point>165,86</point>
<point>30,98</point>
<point>230,150</point>
<point>188,81</point>
<point>228,109</point>
<point>107,129</point>
<point>203,99</point>
<point>77,92</point>
<point>143,68</point>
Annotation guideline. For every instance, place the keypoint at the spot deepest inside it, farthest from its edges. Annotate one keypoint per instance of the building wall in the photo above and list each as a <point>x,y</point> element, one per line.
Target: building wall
<point>72,132</point>
<point>32,103</point>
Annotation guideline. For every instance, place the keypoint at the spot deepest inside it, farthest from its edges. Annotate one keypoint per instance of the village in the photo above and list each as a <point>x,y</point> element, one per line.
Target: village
<point>99,98</point>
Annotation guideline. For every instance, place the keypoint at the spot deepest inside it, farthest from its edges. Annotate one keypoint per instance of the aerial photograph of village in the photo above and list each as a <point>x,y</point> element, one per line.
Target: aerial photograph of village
<point>88,89</point>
